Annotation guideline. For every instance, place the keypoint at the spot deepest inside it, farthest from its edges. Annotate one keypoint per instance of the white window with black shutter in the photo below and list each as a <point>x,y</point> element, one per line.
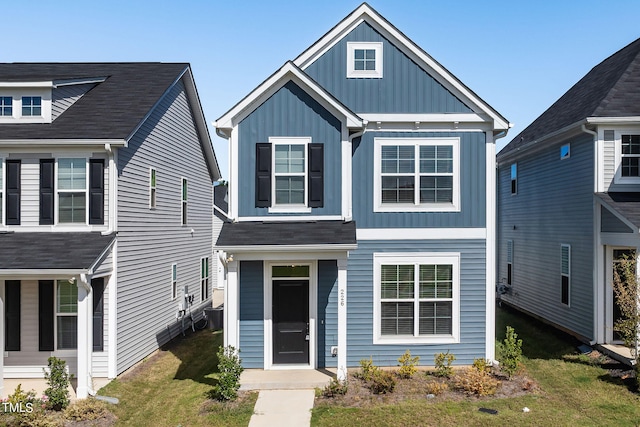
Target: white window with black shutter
<point>290,175</point>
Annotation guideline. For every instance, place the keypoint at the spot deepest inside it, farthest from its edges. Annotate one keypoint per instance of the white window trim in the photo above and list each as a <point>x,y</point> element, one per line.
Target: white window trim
<point>56,212</point>
<point>205,295</point>
<point>153,189</point>
<point>174,282</point>
<point>378,206</point>
<point>400,258</point>
<point>43,90</point>
<point>618,178</point>
<point>56,350</point>
<point>184,202</point>
<point>371,74</point>
<point>567,275</point>
<point>289,208</point>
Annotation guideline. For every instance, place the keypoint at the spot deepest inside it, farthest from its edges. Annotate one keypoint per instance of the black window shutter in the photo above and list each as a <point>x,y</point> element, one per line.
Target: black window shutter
<point>13,192</point>
<point>98,313</point>
<point>45,315</point>
<point>96,191</point>
<point>12,315</point>
<point>47,180</point>
<point>316,175</point>
<point>263,175</point>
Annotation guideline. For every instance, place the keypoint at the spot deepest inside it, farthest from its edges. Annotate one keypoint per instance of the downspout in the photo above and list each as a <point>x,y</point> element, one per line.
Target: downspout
<point>113,183</point>
<point>85,279</point>
<point>596,234</point>
<point>349,198</point>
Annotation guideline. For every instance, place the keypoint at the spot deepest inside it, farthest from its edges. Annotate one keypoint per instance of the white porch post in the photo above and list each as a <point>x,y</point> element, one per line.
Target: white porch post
<point>231,336</point>
<point>342,319</point>
<point>85,337</point>
<point>2,337</point>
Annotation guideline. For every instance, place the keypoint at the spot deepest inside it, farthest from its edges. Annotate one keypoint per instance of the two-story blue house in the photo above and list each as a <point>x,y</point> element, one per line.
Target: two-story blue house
<point>106,195</point>
<point>362,206</point>
<point>569,201</point>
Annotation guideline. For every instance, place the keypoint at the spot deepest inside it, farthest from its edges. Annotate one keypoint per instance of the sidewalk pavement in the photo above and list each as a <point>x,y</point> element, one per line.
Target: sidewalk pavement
<point>283,408</point>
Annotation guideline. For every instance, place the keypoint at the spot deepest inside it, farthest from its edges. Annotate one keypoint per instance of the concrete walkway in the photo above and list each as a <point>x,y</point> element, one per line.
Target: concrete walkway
<point>283,408</point>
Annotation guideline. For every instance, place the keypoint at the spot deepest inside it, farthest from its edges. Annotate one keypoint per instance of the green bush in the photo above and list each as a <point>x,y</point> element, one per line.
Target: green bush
<point>382,382</point>
<point>335,388</point>
<point>407,365</point>
<point>58,380</point>
<point>367,369</point>
<point>229,368</point>
<point>511,352</point>
<point>443,363</point>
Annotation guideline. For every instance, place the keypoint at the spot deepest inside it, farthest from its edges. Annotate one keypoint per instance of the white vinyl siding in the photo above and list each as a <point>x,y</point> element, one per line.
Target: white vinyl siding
<point>416,298</point>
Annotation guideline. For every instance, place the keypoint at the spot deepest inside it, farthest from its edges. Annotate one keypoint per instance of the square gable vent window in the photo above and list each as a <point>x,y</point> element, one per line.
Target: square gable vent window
<point>364,60</point>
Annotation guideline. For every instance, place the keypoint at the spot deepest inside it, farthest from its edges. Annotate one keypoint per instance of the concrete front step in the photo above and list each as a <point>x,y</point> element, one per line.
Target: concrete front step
<point>294,379</point>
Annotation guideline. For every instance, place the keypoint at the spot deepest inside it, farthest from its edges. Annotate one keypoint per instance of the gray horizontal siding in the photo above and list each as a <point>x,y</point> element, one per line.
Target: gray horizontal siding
<point>472,185</point>
<point>553,206</point>
<point>327,312</point>
<point>63,97</point>
<point>291,112</point>
<point>404,88</point>
<point>472,303</point>
<point>150,240</point>
<point>251,292</point>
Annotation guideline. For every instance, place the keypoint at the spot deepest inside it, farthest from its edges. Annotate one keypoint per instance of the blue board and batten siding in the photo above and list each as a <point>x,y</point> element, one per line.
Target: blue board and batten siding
<point>291,112</point>
<point>472,303</point>
<point>404,88</point>
<point>553,206</point>
<point>472,185</point>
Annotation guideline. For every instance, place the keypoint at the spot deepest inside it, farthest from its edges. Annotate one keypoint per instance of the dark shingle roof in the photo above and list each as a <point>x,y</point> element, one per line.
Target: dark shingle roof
<point>626,204</point>
<point>287,233</point>
<point>111,110</point>
<point>36,251</point>
<point>610,89</point>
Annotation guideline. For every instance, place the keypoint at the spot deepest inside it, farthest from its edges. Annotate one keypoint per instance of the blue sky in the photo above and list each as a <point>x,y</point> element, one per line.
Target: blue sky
<point>519,56</point>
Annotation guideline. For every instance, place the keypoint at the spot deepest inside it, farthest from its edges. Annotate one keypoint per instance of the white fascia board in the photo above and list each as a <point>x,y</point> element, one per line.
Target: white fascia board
<point>420,233</point>
<point>285,218</point>
<point>425,118</point>
<point>408,47</point>
<point>26,84</point>
<point>72,82</point>
<point>629,120</point>
<point>103,255</point>
<point>288,72</point>
<point>50,272</point>
<point>288,248</point>
<point>62,142</point>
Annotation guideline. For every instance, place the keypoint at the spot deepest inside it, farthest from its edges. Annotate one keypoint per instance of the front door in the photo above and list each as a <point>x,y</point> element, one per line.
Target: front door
<point>290,321</point>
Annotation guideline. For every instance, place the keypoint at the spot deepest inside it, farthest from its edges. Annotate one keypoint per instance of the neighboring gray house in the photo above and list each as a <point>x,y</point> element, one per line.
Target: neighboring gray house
<point>569,201</point>
<point>106,173</point>
<point>362,194</point>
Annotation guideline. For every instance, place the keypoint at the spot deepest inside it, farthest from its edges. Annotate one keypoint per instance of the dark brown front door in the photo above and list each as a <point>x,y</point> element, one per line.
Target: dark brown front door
<point>290,321</point>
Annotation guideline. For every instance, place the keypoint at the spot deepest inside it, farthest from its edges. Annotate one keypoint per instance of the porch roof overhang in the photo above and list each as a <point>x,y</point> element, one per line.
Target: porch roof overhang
<point>311,236</point>
<point>624,205</point>
<point>59,253</point>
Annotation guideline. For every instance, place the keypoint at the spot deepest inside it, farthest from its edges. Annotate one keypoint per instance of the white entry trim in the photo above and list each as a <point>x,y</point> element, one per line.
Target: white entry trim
<point>268,315</point>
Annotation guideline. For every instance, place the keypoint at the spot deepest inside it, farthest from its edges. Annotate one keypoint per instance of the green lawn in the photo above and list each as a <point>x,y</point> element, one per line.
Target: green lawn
<point>572,393</point>
<point>170,388</point>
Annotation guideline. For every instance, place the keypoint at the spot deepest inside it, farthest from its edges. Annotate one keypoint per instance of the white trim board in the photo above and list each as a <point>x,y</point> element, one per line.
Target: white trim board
<point>420,233</point>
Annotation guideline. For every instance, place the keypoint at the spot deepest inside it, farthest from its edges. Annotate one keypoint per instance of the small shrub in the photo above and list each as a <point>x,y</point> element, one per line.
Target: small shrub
<point>481,365</point>
<point>511,352</point>
<point>443,363</point>
<point>436,387</point>
<point>382,382</point>
<point>229,368</point>
<point>86,409</point>
<point>407,365</point>
<point>58,379</point>
<point>367,369</point>
<point>335,388</point>
<point>474,381</point>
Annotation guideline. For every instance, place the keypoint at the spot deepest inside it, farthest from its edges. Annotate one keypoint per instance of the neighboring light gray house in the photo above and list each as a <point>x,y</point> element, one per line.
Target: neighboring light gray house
<point>569,201</point>
<point>106,214</point>
<point>362,199</point>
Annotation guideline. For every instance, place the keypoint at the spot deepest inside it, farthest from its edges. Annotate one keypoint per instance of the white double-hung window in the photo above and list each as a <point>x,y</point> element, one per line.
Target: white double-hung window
<point>72,190</point>
<point>417,298</point>
<point>416,174</point>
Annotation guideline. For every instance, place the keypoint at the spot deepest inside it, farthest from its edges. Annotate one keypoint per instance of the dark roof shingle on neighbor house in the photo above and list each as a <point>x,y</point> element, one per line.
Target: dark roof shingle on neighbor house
<point>610,89</point>
<point>59,251</point>
<point>287,233</point>
<point>110,110</point>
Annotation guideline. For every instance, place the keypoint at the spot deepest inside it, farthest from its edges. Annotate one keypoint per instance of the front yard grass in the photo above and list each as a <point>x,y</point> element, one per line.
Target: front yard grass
<point>170,388</point>
<point>572,392</point>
